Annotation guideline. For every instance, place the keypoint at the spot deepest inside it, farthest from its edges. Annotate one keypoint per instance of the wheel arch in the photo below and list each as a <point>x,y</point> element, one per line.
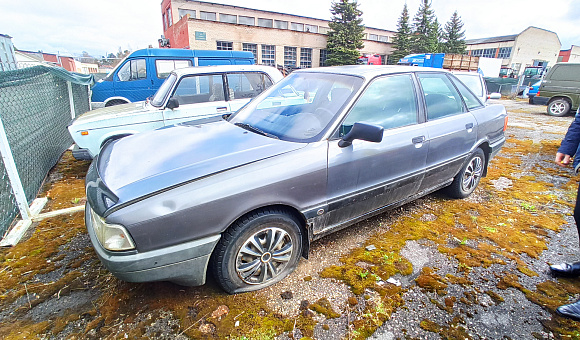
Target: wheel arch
<point>120,99</point>
<point>487,152</point>
<point>290,210</point>
<point>566,98</point>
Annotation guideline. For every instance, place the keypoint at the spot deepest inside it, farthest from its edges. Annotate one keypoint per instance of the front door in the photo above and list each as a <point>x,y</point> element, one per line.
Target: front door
<point>200,97</point>
<point>132,82</point>
<point>366,176</point>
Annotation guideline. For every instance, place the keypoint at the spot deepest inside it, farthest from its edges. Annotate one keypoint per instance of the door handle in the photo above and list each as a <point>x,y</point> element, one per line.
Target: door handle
<point>469,127</point>
<point>418,140</point>
<point>221,109</point>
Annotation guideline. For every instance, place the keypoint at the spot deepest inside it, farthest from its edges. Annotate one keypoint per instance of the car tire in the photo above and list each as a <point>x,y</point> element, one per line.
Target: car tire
<point>246,258</point>
<point>469,176</point>
<point>558,107</point>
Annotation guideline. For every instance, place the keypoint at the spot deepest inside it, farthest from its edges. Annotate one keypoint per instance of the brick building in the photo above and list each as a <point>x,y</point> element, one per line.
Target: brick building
<point>570,56</point>
<point>274,38</point>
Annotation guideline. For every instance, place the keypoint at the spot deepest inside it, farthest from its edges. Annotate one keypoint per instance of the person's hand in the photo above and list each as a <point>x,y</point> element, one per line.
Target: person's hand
<point>562,159</point>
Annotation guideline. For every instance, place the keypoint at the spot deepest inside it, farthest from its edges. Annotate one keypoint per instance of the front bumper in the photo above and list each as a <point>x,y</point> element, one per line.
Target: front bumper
<point>184,264</point>
<point>81,154</point>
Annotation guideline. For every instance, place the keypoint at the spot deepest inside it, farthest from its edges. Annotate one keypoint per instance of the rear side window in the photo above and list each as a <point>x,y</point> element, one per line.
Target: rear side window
<point>199,89</point>
<point>566,72</point>
<point>134,69</point>
<point>470,100</point>
<point>389,102</point>
<point>164,67</point>
<point>441,97</point>
<point>247,84</point>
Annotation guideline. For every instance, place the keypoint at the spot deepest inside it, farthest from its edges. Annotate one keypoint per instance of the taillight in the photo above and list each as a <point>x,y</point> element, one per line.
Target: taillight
<point>505,123</point>
<point>538,93</point>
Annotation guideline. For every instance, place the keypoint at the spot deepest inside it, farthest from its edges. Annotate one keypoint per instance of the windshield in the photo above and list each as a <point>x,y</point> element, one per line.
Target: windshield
<point>161,94</point>
<point>472,82</point>
<point>300,107</point>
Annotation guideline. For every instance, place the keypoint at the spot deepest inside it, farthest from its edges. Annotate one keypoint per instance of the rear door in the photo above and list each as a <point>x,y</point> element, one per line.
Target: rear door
<point>200,97</point>
<point>452,130</point>
<point>366,176</point>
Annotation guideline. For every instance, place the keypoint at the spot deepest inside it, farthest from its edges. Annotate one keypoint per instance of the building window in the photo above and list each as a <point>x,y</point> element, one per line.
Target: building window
<point>184,12</point>
<point>168,13</point>
<point>476,53</point>
<point>289,56</point>
<point>228,18</point>
<point>297,27</point>
<point>504,52</point>
<point>323,30</point>
<point>251,48</point>
<point>311,28</point>
<point>207,16</point>
<point>305,57</point>
<point>383,38</point>
<point>269,55</point>
<point>265,22</point>
<point>247,20</point>
<point>374,37</point>
<point>489,53</point>
<point>323,56</point>
<point>281,24</point>
<point>225,45</point>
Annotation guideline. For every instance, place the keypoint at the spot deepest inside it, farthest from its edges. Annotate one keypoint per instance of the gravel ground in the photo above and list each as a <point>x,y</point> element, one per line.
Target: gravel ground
<point>100,306</point>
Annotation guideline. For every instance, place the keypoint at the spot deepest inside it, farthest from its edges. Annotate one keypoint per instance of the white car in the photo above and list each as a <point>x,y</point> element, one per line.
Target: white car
<point>476,84</point>
<point>200,94</point>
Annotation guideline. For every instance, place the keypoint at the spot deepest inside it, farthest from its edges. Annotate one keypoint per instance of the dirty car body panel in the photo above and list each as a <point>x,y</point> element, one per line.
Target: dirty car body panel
<point>315,153</point>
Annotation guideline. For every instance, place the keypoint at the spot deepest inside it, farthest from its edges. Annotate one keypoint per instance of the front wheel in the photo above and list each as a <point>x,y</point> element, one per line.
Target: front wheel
<point>257,251</point>
<point>558,108</point>
<point>469,176</point>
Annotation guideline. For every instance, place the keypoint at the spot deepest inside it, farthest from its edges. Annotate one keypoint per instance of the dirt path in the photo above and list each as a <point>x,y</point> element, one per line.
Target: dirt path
<point>435,268</point>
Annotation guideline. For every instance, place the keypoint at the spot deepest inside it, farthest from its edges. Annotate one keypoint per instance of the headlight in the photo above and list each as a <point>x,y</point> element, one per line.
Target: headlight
<point>111,236</point>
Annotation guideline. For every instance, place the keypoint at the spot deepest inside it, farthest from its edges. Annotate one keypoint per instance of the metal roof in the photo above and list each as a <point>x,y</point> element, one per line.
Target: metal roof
<point>370,71</point>
<point>492,39</point>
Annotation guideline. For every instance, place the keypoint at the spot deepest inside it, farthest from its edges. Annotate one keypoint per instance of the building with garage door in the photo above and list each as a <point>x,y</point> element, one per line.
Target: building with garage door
<point>274,38</point>
<point>532,47</point>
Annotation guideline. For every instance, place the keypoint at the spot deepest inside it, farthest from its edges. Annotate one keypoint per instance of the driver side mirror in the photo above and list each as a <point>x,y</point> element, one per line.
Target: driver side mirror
<point>362,131</point>
<point>172,103</point>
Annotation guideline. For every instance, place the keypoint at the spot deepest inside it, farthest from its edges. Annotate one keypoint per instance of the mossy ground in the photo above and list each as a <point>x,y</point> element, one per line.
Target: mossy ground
<point>502,227</point>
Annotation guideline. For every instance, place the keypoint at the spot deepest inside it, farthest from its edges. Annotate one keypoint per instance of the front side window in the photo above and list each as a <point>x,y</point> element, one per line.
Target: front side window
<point>164,67</point>
<point>389,102</point>
<point>474,84</point>
<point>441,97</point>
<point>247,84</point>
<point>133,69</point>
<point>199,89</point>
<point>299,108</point>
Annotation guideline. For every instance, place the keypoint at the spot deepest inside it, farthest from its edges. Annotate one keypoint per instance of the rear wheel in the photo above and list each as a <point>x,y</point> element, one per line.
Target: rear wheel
<point>558,107</point>
<point>257,251</point>
<point>468,178</point>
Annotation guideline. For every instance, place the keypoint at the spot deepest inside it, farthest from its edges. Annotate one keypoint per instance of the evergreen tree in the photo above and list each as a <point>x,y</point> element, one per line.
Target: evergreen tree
<point>434,37</point>
<point>423,31</point>
<point>454,35</point>
<point>403,40</point>
<point>346,33</point>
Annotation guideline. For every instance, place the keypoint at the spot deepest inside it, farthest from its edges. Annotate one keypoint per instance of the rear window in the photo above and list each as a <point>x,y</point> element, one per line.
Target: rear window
<point>566,72</point>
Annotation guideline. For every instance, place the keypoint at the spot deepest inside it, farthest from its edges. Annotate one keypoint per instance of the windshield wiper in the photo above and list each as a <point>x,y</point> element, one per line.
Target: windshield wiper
<point>255,129</point>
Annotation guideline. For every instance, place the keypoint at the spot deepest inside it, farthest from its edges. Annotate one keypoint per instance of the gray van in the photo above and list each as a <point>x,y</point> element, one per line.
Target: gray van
<point>560,89</point>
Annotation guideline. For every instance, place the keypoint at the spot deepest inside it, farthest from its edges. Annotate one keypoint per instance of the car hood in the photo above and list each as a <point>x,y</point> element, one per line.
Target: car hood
<point>111,112</point>
<point>146,163</point>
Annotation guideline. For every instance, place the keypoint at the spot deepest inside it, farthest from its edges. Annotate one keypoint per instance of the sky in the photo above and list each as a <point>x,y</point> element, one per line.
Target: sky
<point>69,27</point>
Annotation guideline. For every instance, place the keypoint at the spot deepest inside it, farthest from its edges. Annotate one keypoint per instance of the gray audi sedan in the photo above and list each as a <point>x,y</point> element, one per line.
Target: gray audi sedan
<point>245,195</point>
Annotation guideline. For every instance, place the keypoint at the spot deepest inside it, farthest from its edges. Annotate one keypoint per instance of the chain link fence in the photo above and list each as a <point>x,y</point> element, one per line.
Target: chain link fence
<point>35,109</point>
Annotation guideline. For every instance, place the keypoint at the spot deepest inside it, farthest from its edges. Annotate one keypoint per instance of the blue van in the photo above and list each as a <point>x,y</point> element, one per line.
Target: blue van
<point>140,74</point>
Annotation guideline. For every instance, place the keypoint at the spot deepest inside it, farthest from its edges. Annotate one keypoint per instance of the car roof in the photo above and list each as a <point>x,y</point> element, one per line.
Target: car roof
<point>370,71</point>
<point>224,68</point>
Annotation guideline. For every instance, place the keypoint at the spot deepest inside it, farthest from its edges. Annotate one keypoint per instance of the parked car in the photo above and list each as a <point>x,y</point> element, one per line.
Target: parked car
<point>476,84</point>
<point>140,74</point>
<point>195,93</point>
<point>320,150</point>
<point>560,89</point>
<point>533,91</point>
